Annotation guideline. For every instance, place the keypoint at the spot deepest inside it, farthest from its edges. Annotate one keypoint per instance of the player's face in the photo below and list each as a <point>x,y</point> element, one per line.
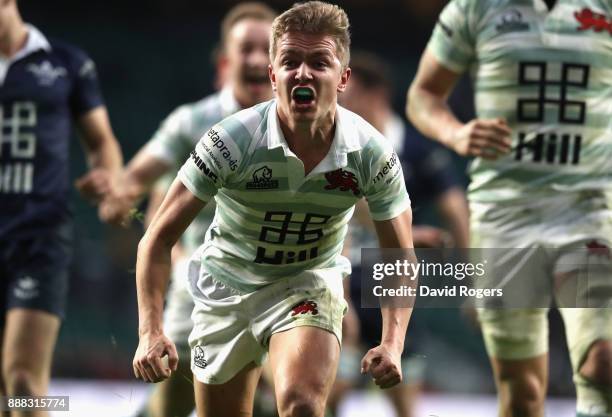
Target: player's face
<point>247,61</point>
<point>307,76</point>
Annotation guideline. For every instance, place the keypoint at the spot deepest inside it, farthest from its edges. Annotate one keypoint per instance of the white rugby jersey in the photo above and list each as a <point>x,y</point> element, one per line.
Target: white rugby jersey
<point>177,136</point>
<point>272,221</point>
<point>549,74</point>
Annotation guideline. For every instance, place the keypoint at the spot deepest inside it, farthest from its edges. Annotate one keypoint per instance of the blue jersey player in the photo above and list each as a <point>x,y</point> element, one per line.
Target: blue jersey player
<point>44,87</point>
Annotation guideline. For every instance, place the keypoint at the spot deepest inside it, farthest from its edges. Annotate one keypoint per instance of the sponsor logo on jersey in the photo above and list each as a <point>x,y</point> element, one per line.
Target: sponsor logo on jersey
<point>305,307</point>
<point>45,73</point>
<point>389,166</point>
<point>199,358</point>
<point>588,20</point>
<point>262,180</point>
<point>222,149</point>
<point>344,180</point>
<point>202,166</point>
<point>27,288</point>
<point>511,21</point>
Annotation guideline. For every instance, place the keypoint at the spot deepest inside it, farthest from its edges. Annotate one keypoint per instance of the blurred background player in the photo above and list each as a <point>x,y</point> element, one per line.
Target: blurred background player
<point>541,178</point>
<point>45,85</point>
<point>430,178</point>
<point>242,72</point>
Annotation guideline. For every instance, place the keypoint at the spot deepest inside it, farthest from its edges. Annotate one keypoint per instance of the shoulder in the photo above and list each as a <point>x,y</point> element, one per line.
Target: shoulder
<point>208,107</point>
<point>230,142</point>
<point>246,126</point>
<point>71,55</point>
<point>368,141</point>
<point>472,11</point>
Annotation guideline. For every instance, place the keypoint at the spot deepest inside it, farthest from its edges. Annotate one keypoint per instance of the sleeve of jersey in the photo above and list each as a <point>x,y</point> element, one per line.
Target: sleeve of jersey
<point>86,94</point>
<point>211,165</point>
<point>386,190</point>
<point>452,41</point>
<point>168,142</point>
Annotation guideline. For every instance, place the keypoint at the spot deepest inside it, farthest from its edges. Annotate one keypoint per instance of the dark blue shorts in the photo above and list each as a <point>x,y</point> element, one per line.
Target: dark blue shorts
<point>34,271</point>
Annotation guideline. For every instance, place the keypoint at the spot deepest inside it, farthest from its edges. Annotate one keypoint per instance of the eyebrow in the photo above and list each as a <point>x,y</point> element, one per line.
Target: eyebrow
<point>316,52</point>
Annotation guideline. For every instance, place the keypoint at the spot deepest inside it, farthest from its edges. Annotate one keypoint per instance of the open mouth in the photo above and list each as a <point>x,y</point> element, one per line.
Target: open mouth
<point>303,95</point>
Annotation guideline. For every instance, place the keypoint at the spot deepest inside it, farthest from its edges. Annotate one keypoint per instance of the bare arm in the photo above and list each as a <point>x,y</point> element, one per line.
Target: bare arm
<point>134,182</point>
<point>395,233</point>
<point>384,361</point>
<point>102,152</point>
<point>428,110</point>
<point>156,197</point>
<point>453,207</point>
<point>140,175</point>
<point>153,265</point>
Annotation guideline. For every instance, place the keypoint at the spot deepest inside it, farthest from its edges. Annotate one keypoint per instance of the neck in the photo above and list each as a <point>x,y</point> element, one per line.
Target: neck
<point>14,37</point>
<point>550,3</point>
<point>303,138</point>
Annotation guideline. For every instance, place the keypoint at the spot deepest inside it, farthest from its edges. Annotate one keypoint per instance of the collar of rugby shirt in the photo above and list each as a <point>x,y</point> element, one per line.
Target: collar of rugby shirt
<point>35,42</point>
<point>346,140</point>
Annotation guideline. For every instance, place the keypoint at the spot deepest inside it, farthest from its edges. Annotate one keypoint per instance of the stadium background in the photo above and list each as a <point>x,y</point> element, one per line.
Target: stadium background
<point>154,55</point>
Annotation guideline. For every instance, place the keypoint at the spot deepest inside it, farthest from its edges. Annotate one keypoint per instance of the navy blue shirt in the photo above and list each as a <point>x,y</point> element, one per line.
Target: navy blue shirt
<point>428,171</point>
<point>42,93</point>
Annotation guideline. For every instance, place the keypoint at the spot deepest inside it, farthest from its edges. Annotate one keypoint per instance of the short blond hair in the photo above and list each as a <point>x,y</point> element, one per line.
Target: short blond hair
<point>314,17</point>
<point>243,11</point>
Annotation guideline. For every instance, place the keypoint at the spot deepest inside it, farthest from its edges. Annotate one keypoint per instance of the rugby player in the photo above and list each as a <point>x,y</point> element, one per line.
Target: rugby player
<point>541,177</point>
<point>45,86</point>
<point>285,175</point>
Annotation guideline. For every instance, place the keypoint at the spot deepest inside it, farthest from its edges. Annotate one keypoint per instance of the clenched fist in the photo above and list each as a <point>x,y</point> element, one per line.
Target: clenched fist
<point>148,364</point>
<point>383,366</point>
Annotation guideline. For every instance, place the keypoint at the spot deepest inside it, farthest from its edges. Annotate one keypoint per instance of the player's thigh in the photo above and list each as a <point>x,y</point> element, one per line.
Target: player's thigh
<point>29,341</point>
<point>36,294</point>
<point>517,345</point>
<point>514,334</point>
<point>584,327</point>
<point>233,398</point>
<point>304,361</point>
<point>584,279</point>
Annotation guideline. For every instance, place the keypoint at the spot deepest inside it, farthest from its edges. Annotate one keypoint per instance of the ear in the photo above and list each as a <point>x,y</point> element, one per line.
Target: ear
<point>272,76</point>
<point>344,77</point>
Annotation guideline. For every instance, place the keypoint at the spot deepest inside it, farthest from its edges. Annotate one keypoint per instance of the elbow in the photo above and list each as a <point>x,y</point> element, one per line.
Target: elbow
<point>154,244</point>
<point>144,246</point>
